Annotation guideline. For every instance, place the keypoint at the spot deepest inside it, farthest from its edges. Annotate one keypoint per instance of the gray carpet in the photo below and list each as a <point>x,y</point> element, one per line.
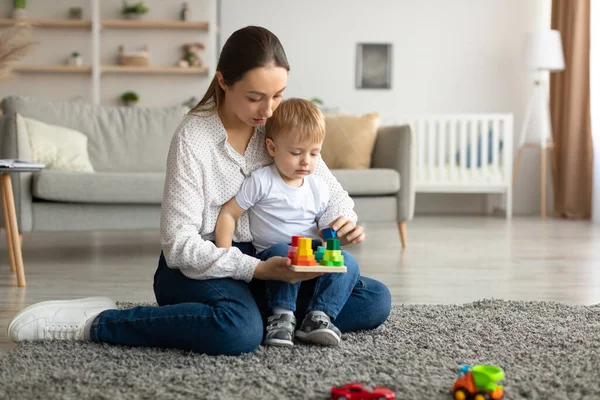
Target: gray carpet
<point>548,351</point>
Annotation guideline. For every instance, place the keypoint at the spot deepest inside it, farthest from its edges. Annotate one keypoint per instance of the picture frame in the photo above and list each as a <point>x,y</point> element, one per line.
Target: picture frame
<point>373,66</point>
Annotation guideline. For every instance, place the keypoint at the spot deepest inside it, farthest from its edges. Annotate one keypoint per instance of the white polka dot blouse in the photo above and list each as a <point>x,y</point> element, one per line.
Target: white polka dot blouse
<point>203,173</point>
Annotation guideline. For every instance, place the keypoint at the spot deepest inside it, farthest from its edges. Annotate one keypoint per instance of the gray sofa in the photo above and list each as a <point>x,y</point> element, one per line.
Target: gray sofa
<point>128,148</point>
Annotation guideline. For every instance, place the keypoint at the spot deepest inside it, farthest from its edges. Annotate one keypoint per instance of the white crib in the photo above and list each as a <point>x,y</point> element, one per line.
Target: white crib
<point>464,153</point>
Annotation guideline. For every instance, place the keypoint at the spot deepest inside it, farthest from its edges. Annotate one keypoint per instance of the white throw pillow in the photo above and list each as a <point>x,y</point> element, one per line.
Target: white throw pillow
<point>60,148</point>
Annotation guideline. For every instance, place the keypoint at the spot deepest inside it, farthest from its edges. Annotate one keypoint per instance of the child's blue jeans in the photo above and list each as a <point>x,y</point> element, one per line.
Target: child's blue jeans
<point>331,291</point>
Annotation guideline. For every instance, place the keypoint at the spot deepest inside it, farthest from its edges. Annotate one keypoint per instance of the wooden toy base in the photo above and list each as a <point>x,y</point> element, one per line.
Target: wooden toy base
<point>318,268</point>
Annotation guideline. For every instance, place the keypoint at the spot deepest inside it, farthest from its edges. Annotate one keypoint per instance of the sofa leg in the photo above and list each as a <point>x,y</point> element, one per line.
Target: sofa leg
<point>402,229</point>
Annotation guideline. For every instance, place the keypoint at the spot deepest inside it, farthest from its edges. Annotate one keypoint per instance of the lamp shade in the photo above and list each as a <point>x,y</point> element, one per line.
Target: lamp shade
<point>543,51</point>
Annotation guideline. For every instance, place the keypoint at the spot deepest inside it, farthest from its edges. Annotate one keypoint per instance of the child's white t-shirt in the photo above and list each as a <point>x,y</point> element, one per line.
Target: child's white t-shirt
<point>277,211</point>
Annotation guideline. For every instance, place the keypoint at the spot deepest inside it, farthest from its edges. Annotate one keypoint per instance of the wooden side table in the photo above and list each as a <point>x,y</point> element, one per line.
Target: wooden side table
<point>10,222</point>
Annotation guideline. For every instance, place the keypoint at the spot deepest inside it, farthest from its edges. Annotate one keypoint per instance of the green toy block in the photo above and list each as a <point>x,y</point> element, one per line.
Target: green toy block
<point>319,253</point>
<point>333,257</point>
<point>330,263</point>
<point>333,244</point>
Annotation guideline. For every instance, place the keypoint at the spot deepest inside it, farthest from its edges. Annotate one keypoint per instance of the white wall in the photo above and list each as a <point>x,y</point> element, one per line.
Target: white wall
<point>55,45</point>
<point>448,57</point>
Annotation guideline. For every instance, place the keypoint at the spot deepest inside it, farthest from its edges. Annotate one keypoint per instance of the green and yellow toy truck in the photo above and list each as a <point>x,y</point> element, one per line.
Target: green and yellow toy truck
<point>478,383</point>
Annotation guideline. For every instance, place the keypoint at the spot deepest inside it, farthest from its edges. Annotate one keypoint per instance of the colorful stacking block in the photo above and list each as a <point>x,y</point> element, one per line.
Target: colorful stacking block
<point>333,244</point>
<point>294,247</point>
<point>327,258</point>
<point>319,253</point>
<point>333,255</point>
<point>328,233</point>
<point>304,255</point>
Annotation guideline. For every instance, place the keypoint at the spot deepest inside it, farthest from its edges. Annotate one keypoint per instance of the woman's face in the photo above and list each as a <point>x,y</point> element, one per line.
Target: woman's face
<point>254,97</point>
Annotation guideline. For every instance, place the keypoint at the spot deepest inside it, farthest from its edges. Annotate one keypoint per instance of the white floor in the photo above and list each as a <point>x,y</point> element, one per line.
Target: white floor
<point>448,260</point>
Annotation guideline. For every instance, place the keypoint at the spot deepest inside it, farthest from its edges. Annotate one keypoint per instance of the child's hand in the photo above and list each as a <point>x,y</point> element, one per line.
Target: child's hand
<point>347,231</point>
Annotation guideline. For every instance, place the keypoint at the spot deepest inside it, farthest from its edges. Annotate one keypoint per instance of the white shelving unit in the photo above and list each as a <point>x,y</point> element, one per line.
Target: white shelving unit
<point>96,26</point>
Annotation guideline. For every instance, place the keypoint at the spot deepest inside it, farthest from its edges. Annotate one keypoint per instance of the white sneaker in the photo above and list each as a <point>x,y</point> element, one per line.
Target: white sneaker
<point>59,319</point>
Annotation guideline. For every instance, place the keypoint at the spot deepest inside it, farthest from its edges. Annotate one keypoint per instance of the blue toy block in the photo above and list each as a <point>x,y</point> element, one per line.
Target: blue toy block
<point>328,233</point>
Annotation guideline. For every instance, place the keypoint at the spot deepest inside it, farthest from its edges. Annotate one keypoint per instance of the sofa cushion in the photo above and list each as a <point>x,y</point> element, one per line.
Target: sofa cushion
<point>120,139</point>
<point>56,147</point>
<point>349,140</point>
<point>368,182</point>
<point>99,187</point>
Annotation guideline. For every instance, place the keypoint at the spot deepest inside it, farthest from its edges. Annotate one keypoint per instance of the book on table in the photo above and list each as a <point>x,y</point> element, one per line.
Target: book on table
<point>14,163</point>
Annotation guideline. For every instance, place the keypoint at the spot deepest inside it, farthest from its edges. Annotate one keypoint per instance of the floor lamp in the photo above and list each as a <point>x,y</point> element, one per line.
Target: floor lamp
<point>543,52</point>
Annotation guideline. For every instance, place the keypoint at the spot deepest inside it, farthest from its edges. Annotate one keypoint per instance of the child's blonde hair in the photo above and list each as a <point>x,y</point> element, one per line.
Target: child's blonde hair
<point>299,117</point>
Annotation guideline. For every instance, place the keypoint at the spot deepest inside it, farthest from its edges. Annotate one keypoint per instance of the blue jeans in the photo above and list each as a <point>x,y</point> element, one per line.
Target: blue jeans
<point>330,293</point>
<point>223,316</point>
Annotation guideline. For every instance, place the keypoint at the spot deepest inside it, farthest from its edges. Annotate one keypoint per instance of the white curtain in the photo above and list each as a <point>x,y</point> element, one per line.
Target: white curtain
<point>595,103</point>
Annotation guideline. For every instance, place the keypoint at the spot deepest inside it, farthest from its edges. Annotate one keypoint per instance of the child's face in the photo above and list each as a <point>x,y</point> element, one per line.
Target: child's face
<point>294,159</point>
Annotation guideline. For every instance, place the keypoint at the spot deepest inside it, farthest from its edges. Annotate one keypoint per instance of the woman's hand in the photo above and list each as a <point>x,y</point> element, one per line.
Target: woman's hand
<point>347,231</point>
<point>277,269</point>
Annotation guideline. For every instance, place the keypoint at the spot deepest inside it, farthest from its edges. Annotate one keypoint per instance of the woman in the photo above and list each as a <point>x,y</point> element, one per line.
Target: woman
<point>212,300</point>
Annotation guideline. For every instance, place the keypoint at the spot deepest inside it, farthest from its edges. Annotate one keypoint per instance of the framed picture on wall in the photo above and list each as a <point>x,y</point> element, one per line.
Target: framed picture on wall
<point>373,66</point>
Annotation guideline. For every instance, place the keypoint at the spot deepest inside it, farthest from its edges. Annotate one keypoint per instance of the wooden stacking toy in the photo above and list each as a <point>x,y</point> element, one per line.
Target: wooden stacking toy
<point>327,258</point>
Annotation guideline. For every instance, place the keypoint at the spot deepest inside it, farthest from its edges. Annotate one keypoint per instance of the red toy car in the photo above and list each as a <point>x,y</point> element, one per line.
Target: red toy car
<point>356,391</point>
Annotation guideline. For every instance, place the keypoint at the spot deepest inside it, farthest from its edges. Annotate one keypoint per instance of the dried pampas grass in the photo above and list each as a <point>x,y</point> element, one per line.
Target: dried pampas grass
<point>15,44</point>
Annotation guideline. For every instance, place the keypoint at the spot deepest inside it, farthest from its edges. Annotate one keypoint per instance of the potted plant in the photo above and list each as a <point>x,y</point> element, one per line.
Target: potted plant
<point>134,11</point>
<point>76,60</point>
<point>18,9</point>
<point>75,13</point>
<point>129,99</point>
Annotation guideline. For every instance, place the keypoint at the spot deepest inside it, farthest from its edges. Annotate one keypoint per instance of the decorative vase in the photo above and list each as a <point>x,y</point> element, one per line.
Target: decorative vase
<point>129,103</point>
<point>76,61</point>
<point>185,12</point>
<point>19,13</point>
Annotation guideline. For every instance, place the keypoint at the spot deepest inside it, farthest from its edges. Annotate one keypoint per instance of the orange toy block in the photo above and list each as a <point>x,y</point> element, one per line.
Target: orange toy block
<point>306,261</point>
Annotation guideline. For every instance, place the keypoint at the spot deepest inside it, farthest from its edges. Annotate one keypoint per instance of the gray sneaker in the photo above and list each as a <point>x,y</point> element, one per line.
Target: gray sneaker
<point>280,330</point>
<point>318,328</point>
